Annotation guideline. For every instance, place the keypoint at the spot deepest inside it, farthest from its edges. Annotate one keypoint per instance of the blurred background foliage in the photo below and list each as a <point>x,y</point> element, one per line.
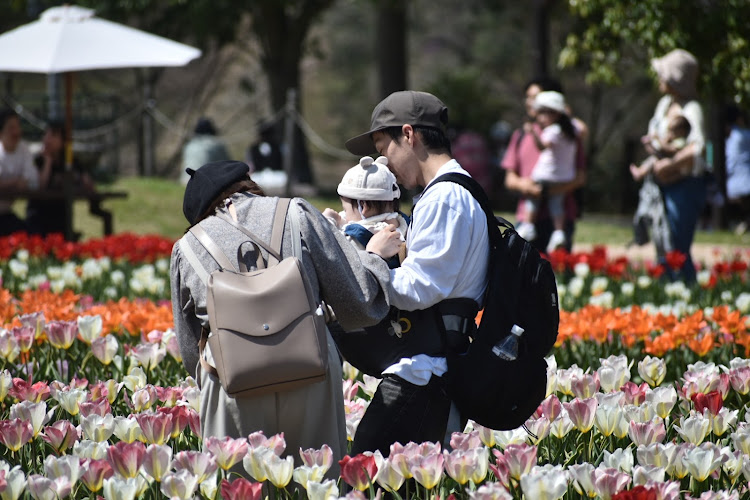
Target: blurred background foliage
<point>343,56</point>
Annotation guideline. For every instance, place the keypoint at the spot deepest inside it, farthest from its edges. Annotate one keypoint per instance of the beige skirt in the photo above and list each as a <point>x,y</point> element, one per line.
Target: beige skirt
<point>309,417</point>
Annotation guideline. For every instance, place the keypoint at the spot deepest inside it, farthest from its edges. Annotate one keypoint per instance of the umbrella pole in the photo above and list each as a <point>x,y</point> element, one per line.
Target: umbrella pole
<point>68,174</point>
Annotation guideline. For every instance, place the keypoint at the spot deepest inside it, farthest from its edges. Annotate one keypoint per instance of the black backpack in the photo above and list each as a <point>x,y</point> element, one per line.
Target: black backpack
<point>522,291</point>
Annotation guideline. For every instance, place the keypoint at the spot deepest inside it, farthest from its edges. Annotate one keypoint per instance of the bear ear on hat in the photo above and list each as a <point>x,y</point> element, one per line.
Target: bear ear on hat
<point>365,161</point>
<point>381,160</point>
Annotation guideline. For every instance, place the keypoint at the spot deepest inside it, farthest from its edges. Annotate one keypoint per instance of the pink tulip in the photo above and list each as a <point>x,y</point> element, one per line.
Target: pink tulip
<point>42,488</point>
<point>143,399</point>
<point>105,348</point>
<point>645,433</point>
<point>583,478</point>
<point>275,443</point>
<point>491,491</point>
<point>584,385</point>
<point>635,394</point>
<point>156,427</point>
<point>538,429</point>
<point>61,334</point>
<point>194,421</point>
<point>169,395</point>
<point>389,477</point>
<point>657,454</point>
<point>126,459</point>
<point>9,348</point>
<point>582,413</point>
<point>459,465</point>
<point>520,458</point>
<point>241,489</point>
<point>227,451</point>
<point>740,379</point>
<point>200,464</point>
<point>351,388</point>
<point>15,433</point>
<point>98,406</point>
<point>26,391</point>
<point>148,355</point>
<point>608,482</point>
<point>428,470</point>
<point>61,435</point>
<point>25,336</point>
<point>486,434</point>
<point>465,441</point>
<point>180,418</point>
<point>677,467</point>
<point>179,485</point>
<point>35,413</point>
<point>500,468</point>
<point>158,460</point>
<point>322,457</point>
<point>35,321</point>
<point>551,407</point>
<point>173,348</point>
<point>358,471</point>
<point>94,472</point>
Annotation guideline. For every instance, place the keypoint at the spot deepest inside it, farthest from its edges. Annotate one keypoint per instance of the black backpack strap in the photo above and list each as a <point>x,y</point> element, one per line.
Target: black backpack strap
<point>493,222</point>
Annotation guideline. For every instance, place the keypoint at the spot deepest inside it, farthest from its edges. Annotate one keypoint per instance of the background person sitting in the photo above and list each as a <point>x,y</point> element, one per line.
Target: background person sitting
<point>48,216</point>
<point>17,172</point>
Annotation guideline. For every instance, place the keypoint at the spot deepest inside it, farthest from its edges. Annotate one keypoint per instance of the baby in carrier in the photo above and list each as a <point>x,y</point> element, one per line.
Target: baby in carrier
<point>370,200</point>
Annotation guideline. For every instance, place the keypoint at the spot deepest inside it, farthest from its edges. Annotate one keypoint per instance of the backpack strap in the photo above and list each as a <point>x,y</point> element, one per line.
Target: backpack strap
<point>212,248</point>
<point>274,248</point>
<point>194,261</point>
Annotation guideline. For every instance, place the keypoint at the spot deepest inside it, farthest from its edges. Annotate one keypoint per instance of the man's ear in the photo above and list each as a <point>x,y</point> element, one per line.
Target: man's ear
<point>409,133</point>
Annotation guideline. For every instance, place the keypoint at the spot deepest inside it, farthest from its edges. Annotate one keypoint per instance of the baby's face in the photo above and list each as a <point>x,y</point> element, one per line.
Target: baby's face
<point>351,214</point>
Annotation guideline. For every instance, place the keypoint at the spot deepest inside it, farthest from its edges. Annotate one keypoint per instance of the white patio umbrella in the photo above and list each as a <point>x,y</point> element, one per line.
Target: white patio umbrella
<point>69,38</point>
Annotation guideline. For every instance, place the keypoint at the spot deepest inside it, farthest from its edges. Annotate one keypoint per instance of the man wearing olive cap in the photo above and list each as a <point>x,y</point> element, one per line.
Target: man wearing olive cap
<point>447,258</point>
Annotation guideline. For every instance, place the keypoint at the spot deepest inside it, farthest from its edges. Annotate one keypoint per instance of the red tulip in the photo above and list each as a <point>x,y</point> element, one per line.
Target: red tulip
<point>636,493</point>
<point>358,471</point>
<point>711,402</point>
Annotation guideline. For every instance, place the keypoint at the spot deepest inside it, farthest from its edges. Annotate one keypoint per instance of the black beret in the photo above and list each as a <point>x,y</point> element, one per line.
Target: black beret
<point>207,183</point>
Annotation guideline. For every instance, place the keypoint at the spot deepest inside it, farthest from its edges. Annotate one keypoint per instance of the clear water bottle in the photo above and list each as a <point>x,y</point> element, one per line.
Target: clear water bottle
<point>507,348</point>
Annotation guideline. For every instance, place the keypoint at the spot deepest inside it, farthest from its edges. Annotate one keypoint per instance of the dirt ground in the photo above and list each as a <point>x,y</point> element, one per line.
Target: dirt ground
<point>707,253</point>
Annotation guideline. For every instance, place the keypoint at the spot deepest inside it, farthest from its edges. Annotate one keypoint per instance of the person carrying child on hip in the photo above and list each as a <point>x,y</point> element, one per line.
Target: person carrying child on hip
<point>556,163</point>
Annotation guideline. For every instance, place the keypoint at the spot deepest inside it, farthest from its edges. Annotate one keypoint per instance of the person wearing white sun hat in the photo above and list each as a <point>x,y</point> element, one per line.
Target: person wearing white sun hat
<point>556,164</point>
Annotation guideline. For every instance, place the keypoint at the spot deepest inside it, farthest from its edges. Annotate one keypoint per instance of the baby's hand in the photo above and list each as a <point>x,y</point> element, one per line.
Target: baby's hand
<point>333,215</point>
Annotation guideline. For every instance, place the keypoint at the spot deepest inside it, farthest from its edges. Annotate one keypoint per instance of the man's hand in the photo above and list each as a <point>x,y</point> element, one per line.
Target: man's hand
<point>386,242</point>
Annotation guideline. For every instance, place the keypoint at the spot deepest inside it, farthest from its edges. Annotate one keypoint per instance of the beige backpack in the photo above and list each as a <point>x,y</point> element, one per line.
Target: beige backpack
<point>268,331</point>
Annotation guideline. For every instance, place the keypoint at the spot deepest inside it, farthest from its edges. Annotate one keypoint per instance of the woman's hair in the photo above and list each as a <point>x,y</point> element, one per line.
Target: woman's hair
<point>433,139</point>
<point>242,186</point>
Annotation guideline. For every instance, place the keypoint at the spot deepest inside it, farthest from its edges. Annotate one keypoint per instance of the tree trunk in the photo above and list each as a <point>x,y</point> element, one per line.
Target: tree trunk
<point>541,37</point>
<point>282,33</point>
<point>390,46</point>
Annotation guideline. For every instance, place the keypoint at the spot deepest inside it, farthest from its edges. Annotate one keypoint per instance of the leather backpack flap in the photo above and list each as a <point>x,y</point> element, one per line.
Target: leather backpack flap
<point>266,335</point>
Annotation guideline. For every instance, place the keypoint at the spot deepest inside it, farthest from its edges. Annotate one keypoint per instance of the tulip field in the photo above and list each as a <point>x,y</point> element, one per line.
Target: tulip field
<point>647,393</point>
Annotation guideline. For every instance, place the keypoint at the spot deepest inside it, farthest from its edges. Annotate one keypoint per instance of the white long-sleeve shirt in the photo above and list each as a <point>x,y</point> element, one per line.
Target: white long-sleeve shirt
<point>447,257</point>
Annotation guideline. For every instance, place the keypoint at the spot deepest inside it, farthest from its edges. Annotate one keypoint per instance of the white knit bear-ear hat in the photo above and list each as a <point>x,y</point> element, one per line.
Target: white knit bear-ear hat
<point>369,180</point>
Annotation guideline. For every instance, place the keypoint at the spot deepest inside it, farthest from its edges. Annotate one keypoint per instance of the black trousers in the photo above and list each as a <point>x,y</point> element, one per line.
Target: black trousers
<point>402,412</point>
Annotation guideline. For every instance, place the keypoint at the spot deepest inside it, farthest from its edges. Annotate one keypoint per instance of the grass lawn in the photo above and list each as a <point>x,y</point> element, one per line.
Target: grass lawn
<point>154,206</point>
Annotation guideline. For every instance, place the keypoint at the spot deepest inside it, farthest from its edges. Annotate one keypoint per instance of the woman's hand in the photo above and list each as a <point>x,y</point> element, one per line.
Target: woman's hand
<point>386,242</point>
